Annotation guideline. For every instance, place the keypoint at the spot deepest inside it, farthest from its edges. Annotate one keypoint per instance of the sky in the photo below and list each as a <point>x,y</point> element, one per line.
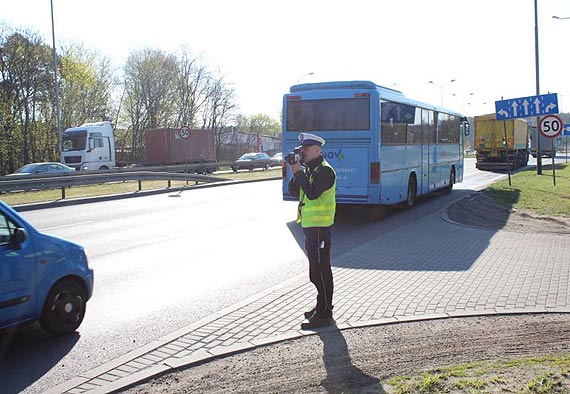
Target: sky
<point>262,47</point>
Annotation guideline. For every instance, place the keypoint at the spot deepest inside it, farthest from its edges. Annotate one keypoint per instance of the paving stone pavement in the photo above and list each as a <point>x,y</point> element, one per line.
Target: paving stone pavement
<point>429,269</point>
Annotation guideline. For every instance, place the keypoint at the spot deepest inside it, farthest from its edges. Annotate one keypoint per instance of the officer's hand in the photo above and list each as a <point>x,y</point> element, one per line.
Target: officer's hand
<point>296,167</point>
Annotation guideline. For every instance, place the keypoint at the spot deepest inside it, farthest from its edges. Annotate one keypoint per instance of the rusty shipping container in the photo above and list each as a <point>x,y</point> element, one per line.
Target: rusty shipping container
<point>179,146</point>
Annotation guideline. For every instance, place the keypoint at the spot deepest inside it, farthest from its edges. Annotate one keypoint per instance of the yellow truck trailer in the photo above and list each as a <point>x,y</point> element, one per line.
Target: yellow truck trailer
<point>490,143</point>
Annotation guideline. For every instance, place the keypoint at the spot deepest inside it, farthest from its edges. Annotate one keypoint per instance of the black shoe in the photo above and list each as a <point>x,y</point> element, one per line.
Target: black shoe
<point>310,313</point>
<point>316,322</point>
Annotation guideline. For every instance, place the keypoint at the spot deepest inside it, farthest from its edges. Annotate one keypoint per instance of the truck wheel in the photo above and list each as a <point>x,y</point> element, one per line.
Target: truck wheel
<point>64,308</point>
<point>449,187</point>
<point>411,197</point>
<point>103,168</point>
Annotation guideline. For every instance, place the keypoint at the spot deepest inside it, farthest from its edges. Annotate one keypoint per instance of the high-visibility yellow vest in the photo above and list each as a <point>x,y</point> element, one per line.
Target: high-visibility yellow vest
<point>320,211</point>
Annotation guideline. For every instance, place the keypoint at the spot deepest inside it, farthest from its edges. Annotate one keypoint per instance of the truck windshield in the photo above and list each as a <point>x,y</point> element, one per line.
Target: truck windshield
<point>74,140</point>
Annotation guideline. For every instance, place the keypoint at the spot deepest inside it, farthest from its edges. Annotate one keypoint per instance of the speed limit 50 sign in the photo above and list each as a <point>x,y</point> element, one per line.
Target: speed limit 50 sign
<point>550,126</point>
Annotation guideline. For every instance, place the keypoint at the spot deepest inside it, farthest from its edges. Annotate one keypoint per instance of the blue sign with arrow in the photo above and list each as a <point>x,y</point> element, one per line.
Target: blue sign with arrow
<point>524,107</point>
<point>566,129</point>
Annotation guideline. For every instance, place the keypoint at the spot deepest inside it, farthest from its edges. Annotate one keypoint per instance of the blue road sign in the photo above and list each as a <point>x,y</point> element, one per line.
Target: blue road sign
<point>545,104</point>
<point>566,129</point>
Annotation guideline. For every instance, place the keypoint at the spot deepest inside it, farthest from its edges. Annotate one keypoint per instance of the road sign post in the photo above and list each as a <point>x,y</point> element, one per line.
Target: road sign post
<point>507,150</point>
<point>551,126</point>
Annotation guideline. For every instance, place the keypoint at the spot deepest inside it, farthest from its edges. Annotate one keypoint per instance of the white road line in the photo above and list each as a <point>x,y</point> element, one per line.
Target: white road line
<point>67,225</point>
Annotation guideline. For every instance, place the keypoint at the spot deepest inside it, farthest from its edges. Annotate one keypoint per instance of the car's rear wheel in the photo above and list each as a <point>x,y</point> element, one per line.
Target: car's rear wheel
<point>64,308</point>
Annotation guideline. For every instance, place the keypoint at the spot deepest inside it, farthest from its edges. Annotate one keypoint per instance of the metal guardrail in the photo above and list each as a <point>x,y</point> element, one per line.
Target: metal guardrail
<point>179,172</point>
<point>58,181</point>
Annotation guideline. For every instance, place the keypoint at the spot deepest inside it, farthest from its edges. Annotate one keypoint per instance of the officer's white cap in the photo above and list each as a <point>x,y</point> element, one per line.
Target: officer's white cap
<point>311,139</point>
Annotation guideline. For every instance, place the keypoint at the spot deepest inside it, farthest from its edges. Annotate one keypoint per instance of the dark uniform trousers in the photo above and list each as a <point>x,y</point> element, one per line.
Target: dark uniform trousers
<point>318,246</point>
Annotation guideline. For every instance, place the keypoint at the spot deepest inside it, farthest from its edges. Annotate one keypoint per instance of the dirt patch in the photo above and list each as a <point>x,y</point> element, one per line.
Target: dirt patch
<point>480,210</point>
<point>363,360</point>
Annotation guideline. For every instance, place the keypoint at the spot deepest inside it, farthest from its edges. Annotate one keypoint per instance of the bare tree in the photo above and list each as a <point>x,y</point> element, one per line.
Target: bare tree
<point>192,86</point>
<point>219,110</point>
<point>149,91</point>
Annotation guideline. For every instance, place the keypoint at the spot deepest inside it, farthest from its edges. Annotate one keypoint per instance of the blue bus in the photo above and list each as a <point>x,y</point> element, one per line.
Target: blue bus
<point>385,148</point>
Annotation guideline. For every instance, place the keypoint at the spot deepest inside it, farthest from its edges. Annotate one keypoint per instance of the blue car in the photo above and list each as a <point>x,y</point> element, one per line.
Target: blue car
<point>42,278</point>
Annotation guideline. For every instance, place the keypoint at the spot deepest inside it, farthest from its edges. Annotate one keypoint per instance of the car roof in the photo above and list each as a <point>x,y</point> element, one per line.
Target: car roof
<point>43,162</point>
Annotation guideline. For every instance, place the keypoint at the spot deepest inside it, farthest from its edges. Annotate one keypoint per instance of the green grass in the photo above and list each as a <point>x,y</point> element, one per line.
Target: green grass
<point>18,198</point>
<point>534,192</point>
<point>547,383</point>
<point>547,374</point>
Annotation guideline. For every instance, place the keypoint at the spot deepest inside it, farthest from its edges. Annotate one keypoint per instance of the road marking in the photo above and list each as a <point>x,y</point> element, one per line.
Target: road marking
<point>67,225</point>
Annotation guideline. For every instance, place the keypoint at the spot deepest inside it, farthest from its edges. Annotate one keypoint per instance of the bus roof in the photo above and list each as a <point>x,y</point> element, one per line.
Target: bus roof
<point>387,93</point>
<point>341,85</point>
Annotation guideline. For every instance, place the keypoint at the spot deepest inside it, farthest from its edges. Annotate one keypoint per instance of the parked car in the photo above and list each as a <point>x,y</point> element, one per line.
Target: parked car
<point>249,161</point>
<point>44,168</point>
<point>42,278</point>
<point>276,160</point>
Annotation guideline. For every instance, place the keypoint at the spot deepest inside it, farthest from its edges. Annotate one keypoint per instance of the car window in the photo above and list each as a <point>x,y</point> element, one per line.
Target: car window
<point>55,168</point>
<point>42,168</point>
<point>27,169</point>
<point>6,229</point>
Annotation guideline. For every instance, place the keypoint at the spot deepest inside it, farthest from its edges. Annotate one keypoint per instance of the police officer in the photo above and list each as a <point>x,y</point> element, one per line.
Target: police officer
<point>315,185</point>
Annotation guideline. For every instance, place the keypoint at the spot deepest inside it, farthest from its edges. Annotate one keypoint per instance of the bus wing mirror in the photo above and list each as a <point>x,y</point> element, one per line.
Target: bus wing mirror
<point>91,145</point>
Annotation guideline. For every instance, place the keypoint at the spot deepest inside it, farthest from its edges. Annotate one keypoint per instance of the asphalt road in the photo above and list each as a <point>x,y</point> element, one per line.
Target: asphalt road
<point>165,261</point>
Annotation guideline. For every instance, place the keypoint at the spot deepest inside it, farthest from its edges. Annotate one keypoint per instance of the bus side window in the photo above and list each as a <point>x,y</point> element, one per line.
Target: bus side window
<point>428,127</point>
<point>395,119</point>
<point>415,128</point>
<point>448,129</point>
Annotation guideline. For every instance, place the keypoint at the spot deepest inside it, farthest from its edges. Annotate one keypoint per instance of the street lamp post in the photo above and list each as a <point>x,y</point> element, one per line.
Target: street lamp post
<point>55,76</point>
<point>441,90</point>
<point>566,137</point>
<point>538,150</point>
<point>463,99</point>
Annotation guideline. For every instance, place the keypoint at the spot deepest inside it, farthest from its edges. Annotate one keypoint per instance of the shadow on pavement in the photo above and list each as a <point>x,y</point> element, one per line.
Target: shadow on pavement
<point>342,375</point>
<point>27,353</point>
<point>406,239</point>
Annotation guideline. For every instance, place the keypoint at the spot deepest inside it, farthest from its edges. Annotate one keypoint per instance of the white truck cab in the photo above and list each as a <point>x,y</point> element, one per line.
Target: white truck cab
<point>90,146</point>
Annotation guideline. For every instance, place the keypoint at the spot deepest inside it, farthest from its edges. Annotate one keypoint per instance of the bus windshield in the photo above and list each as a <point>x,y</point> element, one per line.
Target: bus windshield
<point>74,140</point>
<point>328,114</point>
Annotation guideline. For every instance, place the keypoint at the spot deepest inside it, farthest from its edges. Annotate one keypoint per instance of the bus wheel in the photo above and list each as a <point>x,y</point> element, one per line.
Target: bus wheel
<point>411,198</point>
<point>451,181</point>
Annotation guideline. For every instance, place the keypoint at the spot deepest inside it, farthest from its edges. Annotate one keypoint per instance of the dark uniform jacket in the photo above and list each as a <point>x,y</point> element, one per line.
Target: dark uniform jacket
<point>323,179</point>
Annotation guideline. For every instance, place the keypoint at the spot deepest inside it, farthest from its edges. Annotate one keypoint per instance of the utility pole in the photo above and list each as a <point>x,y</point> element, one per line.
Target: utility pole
<point>55,77</point>
<point>538,149</point>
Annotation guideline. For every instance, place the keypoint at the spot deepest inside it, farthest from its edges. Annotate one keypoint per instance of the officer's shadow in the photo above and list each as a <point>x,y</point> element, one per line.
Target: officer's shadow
<point>342,376</point>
